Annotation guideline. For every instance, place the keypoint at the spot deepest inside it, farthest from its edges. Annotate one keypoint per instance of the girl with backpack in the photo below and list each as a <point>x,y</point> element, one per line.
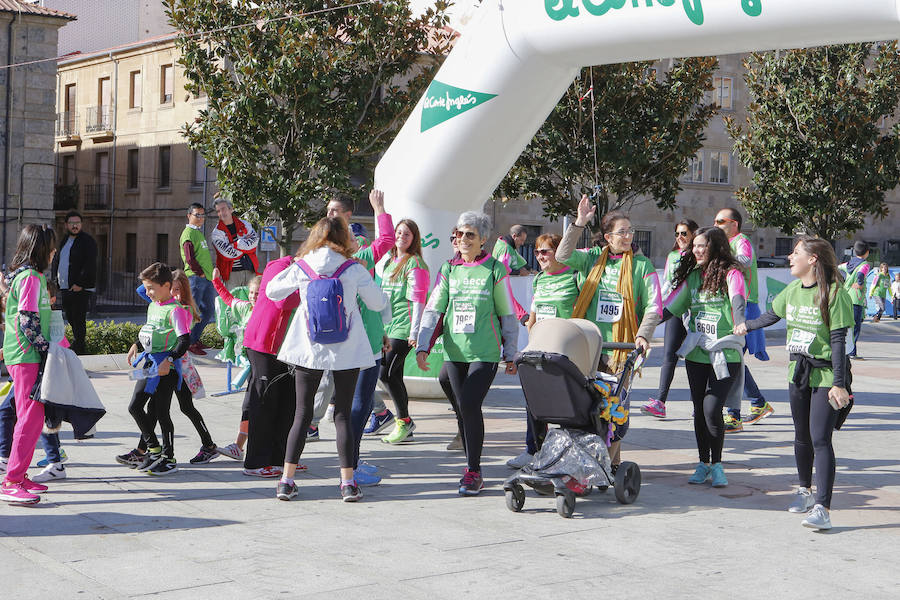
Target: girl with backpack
<point>327,333</point>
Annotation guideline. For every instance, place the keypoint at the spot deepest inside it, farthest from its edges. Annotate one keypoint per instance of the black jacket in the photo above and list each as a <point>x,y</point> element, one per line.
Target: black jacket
<point>82,261</point>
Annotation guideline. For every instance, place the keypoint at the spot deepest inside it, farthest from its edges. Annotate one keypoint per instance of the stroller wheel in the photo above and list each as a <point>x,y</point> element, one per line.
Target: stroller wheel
<point>515,498</point>
<point>565,504</point>
<point>628,482</point>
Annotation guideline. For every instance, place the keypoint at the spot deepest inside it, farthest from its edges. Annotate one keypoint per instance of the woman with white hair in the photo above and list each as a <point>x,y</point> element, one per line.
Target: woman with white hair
<point>472,306</point>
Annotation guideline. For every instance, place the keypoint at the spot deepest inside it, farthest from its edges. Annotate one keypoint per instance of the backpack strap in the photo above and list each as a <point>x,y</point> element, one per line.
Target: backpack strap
<point>308,269</point>
<point>347,264</point>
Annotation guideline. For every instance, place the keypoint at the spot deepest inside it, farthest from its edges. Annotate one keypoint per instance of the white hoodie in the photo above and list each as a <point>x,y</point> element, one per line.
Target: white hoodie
<point>298,349</point>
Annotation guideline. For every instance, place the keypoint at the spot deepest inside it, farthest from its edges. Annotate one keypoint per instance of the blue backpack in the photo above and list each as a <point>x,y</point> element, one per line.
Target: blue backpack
<point>326,318</point>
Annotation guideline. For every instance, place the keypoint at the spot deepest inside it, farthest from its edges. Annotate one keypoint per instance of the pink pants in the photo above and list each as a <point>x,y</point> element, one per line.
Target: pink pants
<point>29,421</point>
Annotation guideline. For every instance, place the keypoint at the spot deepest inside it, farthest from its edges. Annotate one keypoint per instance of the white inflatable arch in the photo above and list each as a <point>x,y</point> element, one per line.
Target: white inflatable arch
<point>518,57</point>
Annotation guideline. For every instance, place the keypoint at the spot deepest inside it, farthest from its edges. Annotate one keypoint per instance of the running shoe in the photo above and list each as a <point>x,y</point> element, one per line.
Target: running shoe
<point>733,424</point>
<point>803,501</point>
<point>286,491</point>
<point>197,349</point>
<point>759,413</point>
<point>701,474</point>
<point>232,451</point>
<point>717,476</point>
<point>471,483</point>
<point>312,434</point>
<point>132,459</point>
<point>266,472</point>
<point>34,488</point>
<point>151,459</point>
<point>15,493</point>
<point>52,472</point>
<point>654,408</point>
<point>350,492</point>
<point>46,461</point>
<point>378,423</point>
<point>163,467</point>
<point>205,455</point>
<point>520,461</point>
<point>456,443</point>
<point>402,432</point>
<point>818,518</point>
<point>365,479</point>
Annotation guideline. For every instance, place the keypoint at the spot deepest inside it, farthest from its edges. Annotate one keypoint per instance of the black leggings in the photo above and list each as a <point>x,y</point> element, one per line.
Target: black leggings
<point>156,411</point>
<point>470,383</point>
<point>307,382</point>
<point>814,421</point>
<point>675,334</point>
<point>269,408</point>
<point>186,404</point>
<point>392,375</point>
<point>708,395</point>
<point>444,380</point>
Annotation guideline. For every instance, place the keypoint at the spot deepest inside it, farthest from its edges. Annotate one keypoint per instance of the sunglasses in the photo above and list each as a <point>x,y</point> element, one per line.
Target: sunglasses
<point>544,251</point>
<point>723,221</point>
<point>199,215</point>
<point>470,235</point>
<point>682,233</point>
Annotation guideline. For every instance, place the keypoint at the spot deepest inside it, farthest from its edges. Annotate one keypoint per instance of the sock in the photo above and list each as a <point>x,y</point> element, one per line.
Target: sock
<point>155,450</point>
<point>287,480</point>
<point>804,490</point>
<point>407,420</point>
<point>345,482</point>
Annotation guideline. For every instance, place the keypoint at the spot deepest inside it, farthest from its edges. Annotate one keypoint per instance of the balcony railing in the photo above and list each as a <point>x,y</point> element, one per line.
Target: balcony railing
<point>98,119</point>
<point>97,196</point>
<point>67,124</point>
<point>65,197</point>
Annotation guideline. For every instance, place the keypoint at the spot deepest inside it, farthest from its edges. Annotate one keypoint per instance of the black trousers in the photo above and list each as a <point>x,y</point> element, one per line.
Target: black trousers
<point>150,409</point>
<point>186,404</point>
<point>270,405</point>
<point>471,383</point>
<point>814,421</point>
<point>708,395</point>
<point>392,375</point>
<point>75,308</point>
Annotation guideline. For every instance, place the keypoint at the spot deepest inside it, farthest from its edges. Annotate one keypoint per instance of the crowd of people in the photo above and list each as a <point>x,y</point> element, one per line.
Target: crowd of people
<point>309,349</point>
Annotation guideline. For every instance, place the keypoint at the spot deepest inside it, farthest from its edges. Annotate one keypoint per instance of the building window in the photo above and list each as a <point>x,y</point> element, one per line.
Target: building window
<point>198,168</point>
<point>695,169</point>
<point>68,169</point>
<point>166,84</point>
<point>70,124</point>
<point>784,246</point>
<point>135,89</point>
<point>131,253</point>
<point>133,169</point>
<point>642,239</point>
<point>162,248</point>
<point>719,167</point>
<point>722,96</point>
<point>165,165</point>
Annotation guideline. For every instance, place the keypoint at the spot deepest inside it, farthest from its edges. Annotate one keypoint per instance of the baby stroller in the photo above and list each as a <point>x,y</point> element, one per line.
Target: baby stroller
<point>557,371</point>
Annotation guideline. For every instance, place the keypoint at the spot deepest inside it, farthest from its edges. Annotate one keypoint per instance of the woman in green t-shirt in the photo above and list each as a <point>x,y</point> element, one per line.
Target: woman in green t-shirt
<point>881,286</point>
<point>818,311</point>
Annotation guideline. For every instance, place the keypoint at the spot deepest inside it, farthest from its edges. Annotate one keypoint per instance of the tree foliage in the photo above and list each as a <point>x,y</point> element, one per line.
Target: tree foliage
<point>299,106</point>
<point>821,163</point>
<point>648,126</point>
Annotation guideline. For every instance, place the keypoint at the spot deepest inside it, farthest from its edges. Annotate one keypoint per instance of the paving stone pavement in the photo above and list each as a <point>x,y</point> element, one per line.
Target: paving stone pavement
<point>208,531</point>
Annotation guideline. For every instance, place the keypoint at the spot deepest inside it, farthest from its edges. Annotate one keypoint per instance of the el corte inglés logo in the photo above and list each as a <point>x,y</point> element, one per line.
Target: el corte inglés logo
<point>559,10</point>
<point>443,102</point>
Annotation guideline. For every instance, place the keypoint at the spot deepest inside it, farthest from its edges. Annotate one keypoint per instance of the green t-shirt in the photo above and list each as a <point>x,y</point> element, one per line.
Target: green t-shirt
<point>472,297</point>
<point>555,294</point>
<point>858,297</point>
<point>508,255</point>
<point>165,323</point>
<point>371,319</point>
<point>27,292</point>
<point>741,246</point>
<point>806,330</point>
<point>201,251</point>
<point>881,284</point>
<point>710,314</point>
<point>607,305</point>
<point>402,289</point>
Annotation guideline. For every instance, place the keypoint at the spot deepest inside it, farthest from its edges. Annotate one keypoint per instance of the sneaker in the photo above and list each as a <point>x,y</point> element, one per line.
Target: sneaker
<point>266,472</point>
<point>654,408</point>
<point>759,413</point>
<point>163,467</point>
<point>717,476</point>
<point>471,483</point>
<point>52,472</point>
<point>197,349</point>
<point>131,460</point>
<point>363,478</point>
<point>204,455</point>
<point>329,414</point>
<point>312,434</point>
<point>286,491</point>
<point>701,474</point>
<point>350,492</point>
<point>803,501</point>
<point>402,432</point>
<point>818,518</point>
<point>520,461</point>
<point>15,493</point>
<point>46,461</point>
<point>456,442</point>
<point>367,468</point>
<point>733,424</point>
<point>151,459</point>
<point>34,488</point>
<point>378,423</point>
<point>232,451</point>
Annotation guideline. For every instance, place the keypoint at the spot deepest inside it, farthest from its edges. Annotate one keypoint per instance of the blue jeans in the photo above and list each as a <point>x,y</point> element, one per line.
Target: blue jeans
<point>205,297</point>
<point>858,315</point>
<point>363,400</point>
<point>50,441</point>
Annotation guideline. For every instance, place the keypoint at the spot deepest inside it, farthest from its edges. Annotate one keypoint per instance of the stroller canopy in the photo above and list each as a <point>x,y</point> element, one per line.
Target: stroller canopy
<point>578,339</point>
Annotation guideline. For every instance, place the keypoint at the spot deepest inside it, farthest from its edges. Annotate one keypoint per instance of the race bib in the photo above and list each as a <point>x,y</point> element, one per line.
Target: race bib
<point>146,337</point>
<point>463,317</point>
<point>545,311</point>
<point>609,306</point>
<point>800,341</point>
<point>707,325</point>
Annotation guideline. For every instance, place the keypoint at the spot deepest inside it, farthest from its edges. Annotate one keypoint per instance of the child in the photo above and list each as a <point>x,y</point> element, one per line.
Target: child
<point>895,294</point>
<point>161,342</point>
<point>24,347</point>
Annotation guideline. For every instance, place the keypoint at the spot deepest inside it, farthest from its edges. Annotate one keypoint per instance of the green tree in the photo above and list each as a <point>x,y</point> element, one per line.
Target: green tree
<point>299,106</point>
<point>648,126</point>
<point>820,162</point>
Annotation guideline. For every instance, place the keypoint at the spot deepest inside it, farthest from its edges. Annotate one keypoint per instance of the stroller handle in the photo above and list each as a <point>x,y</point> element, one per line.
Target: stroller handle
<point>621,346</point>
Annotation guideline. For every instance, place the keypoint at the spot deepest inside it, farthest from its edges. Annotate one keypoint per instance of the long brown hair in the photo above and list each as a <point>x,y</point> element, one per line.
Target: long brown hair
<point>187,299</point>
<point>35,245</point>
<point>721,260</point>
<point>331,232</point>
<point>415,247</point>
<point>826,271</point>
<point>690,224</point>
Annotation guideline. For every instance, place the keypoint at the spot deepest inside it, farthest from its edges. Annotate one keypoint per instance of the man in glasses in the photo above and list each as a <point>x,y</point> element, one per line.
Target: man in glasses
<point>506,250</point>
<point>730,220</point>
<point>198,266</point>
<point>75,271</point>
